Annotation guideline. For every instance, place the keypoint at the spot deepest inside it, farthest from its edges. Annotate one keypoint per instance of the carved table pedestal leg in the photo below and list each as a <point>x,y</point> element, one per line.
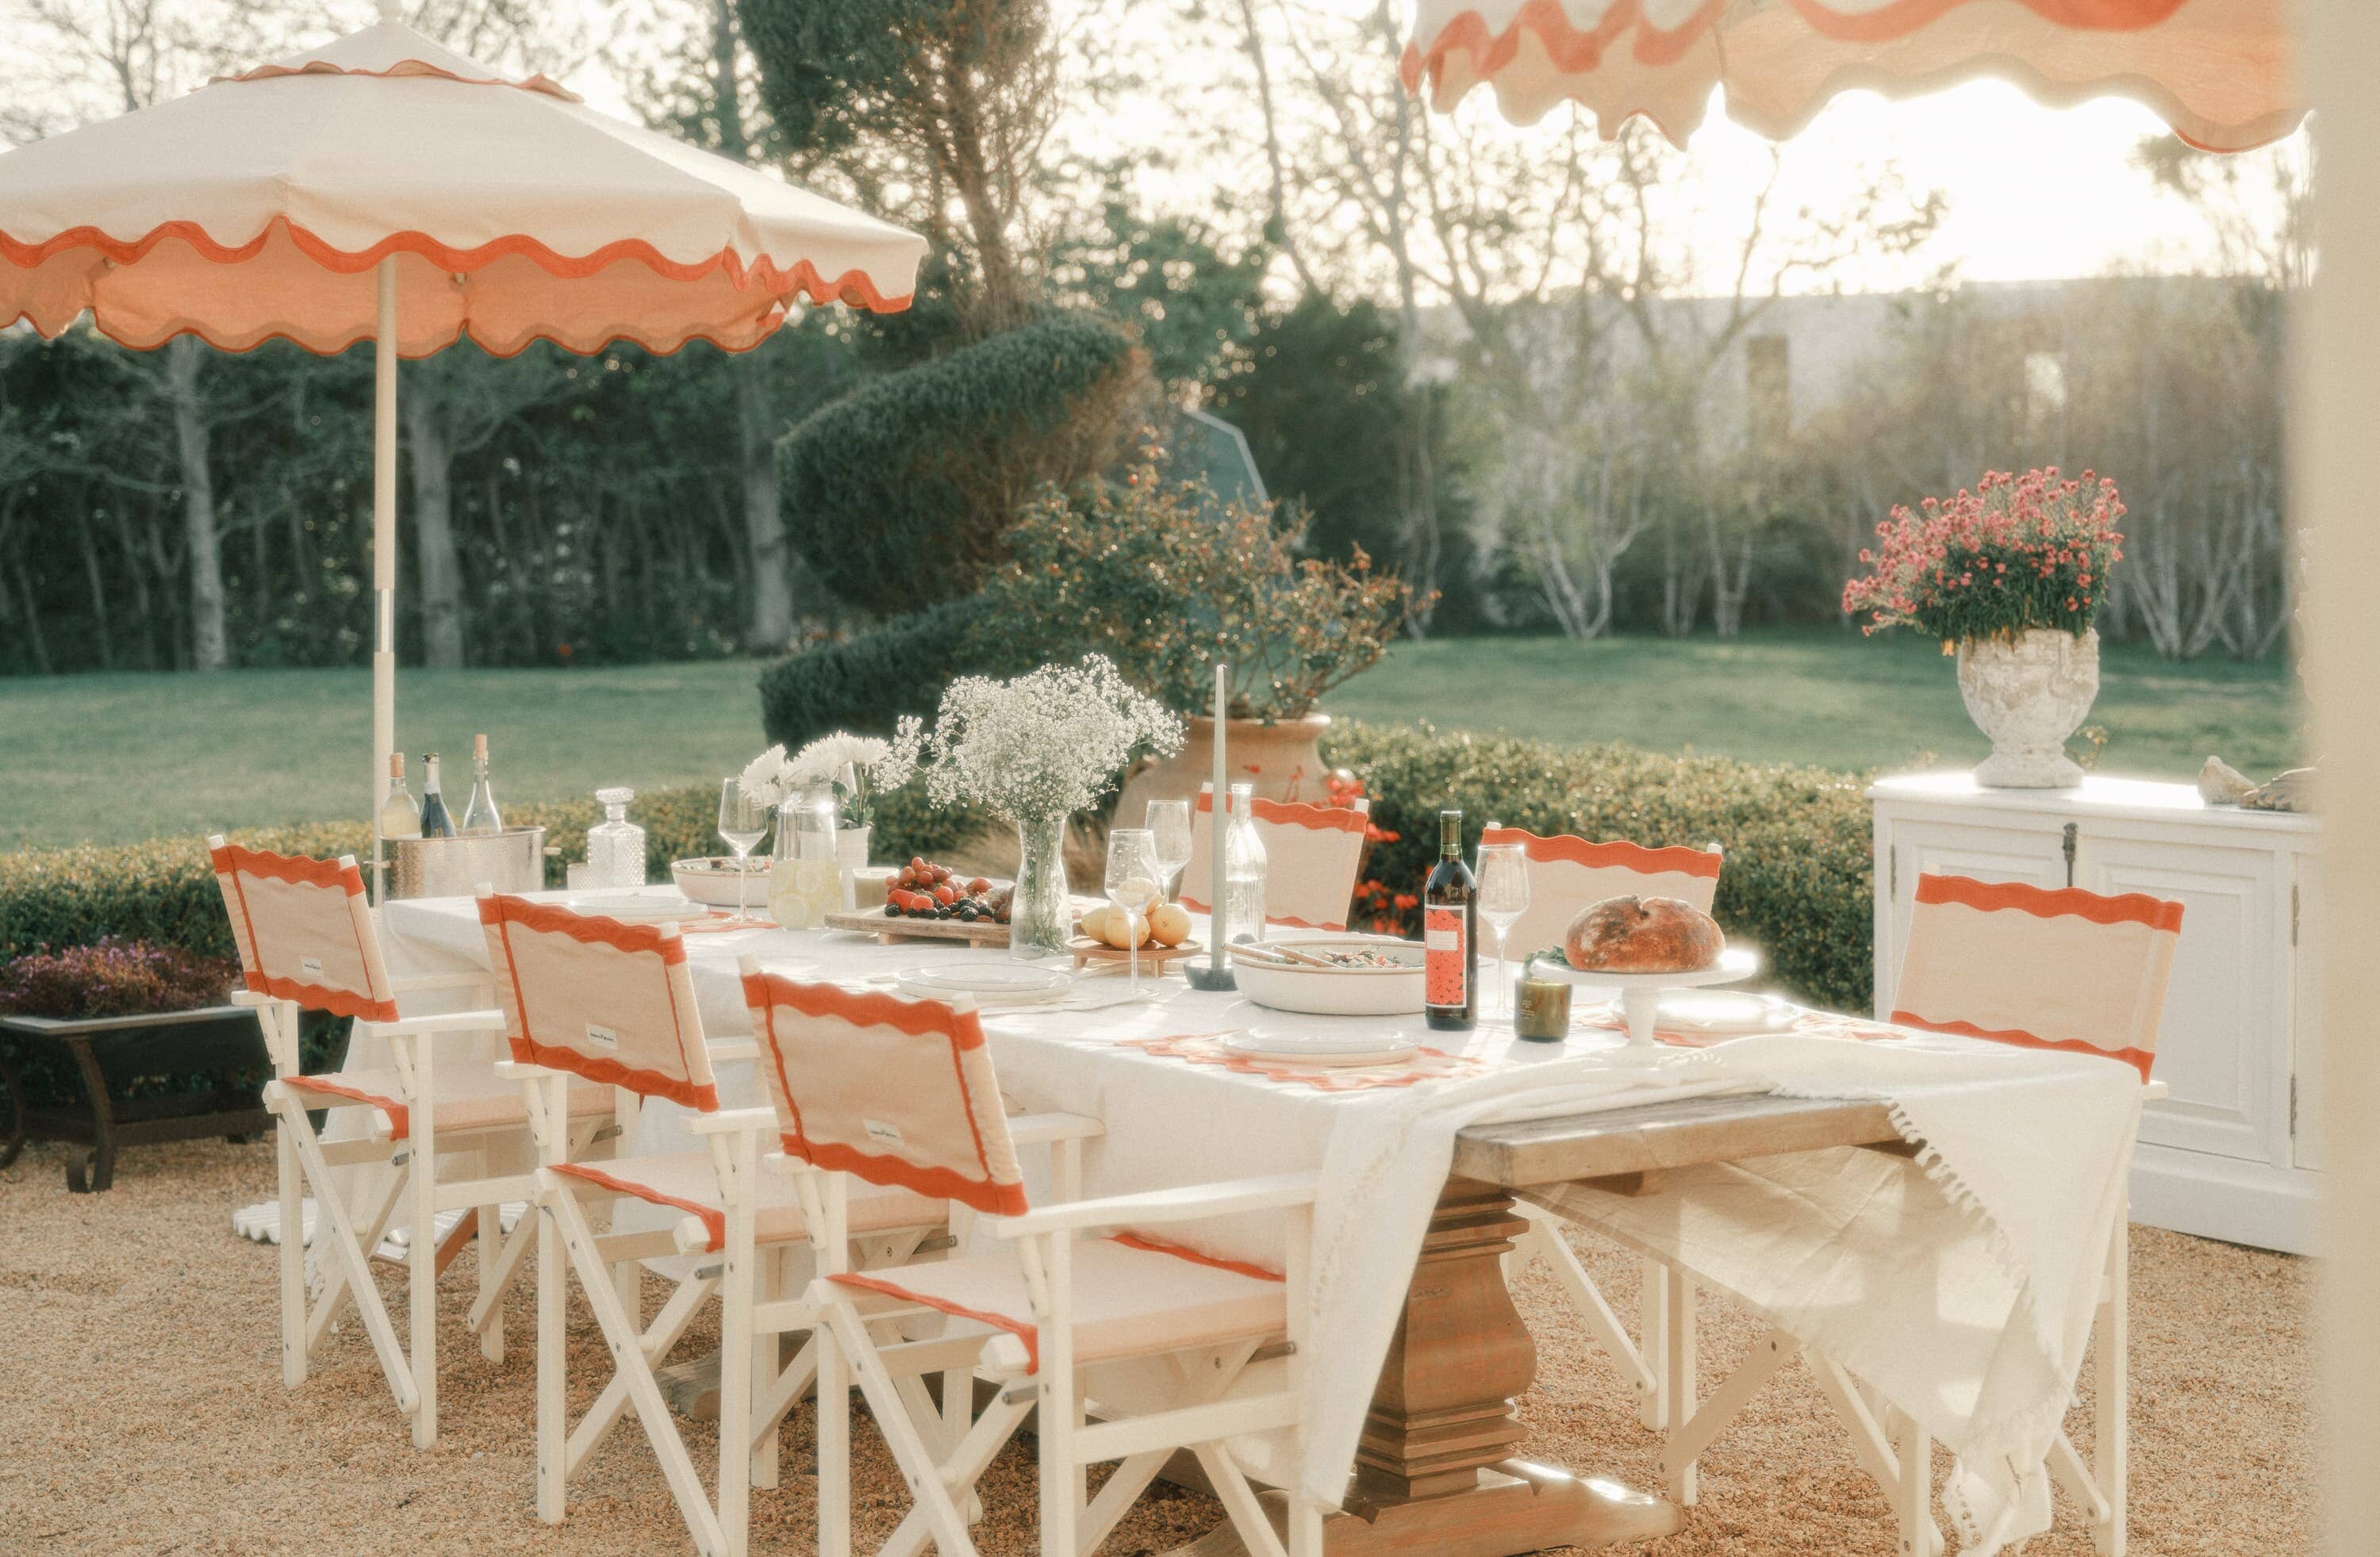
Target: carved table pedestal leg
<point>1434,1473</point>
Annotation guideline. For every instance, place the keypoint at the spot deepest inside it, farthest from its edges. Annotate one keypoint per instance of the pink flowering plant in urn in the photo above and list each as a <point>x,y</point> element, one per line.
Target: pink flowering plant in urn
<point>2010,577</point>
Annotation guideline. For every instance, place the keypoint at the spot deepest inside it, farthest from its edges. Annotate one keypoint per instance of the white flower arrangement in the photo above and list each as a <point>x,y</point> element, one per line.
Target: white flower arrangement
<point>861,768</point>
<point>1041,747</point>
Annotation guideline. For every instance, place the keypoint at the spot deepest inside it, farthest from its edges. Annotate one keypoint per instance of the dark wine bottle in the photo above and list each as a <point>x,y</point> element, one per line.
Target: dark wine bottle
<point>435,822</point>
<point>1450,925</point>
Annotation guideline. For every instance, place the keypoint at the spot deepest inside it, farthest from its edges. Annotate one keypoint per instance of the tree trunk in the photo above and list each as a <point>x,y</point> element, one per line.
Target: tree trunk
<point>435,564</point>
<point>771,623</point>
<point>209,646</point>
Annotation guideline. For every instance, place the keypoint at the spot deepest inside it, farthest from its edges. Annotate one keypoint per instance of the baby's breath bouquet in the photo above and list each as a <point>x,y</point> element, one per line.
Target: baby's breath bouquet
<point>1035,750</point>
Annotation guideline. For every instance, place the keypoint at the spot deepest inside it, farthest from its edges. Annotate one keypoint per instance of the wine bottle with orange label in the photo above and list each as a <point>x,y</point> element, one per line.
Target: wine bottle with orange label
<point>1450,927</point>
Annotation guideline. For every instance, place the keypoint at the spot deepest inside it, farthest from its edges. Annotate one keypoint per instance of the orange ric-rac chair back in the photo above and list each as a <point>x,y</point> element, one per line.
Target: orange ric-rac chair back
<point>304,931</point>
<point>2043,967</point>
<point>1311,856</point>
<point>1568,874</point>
<point>896,1091</point>
<point>610,1001</point>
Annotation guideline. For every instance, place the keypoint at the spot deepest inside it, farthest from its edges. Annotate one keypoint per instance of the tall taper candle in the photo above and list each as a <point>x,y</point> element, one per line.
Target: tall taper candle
<point>1219,926</point>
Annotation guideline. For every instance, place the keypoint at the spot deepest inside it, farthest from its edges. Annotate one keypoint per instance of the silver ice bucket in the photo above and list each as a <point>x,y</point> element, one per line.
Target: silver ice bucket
<point>510,860</point>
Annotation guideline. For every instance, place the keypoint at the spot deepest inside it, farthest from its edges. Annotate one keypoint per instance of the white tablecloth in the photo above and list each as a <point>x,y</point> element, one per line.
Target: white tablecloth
<point>1992,1180</point>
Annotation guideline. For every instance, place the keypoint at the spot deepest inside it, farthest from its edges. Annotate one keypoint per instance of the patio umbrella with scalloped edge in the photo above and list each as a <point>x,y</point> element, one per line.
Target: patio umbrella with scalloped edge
<point>384,187</point>
<point>2220,72</point>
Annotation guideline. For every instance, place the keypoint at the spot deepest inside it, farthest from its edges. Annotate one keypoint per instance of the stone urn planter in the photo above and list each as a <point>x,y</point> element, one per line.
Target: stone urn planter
<point>2029,694</point>
<point>1283,757</point>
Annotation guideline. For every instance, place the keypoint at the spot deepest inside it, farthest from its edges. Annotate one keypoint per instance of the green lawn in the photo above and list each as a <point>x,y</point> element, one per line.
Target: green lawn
<point>126,756</point>
<point>1817,696</point>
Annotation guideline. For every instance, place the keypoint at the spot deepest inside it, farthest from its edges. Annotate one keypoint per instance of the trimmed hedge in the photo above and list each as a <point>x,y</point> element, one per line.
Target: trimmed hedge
<point>1799,878</point>
<point>1798,840</point>
<point>865,683</point>
<point>164,892</point>
<point>899,493</point>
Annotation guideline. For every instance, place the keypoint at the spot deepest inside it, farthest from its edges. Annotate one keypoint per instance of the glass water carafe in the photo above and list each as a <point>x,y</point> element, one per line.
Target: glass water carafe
<point>1244,869</point>
<point>615,846</point>
<point>805,880</point>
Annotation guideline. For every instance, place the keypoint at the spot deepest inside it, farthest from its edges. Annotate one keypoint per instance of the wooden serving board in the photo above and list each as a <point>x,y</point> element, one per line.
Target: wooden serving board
<point>890,930</point>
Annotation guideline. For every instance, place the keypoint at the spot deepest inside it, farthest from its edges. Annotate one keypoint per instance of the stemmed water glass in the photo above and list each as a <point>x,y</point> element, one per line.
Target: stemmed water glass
<point>1169,824</point>
<point>743,823</point>
<point>1503,898</point>
<point>1133,885</point>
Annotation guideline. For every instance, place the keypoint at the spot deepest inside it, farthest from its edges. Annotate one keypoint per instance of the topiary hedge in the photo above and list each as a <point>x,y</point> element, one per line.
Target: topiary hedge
<point>898,493</point>
<point>864,682</point>
<point>1799,878</point>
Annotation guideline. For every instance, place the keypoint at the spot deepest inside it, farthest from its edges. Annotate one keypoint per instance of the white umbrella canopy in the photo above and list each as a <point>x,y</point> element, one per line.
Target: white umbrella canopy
<point>385,186</point>
<point>2220,72</point>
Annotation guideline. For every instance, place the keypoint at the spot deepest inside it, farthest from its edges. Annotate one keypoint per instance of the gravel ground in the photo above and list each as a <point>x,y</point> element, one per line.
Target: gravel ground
<point>141,1410</point>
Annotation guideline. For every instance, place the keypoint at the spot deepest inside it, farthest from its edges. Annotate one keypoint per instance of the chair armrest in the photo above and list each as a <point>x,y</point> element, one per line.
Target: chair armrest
<point>731,1119</point>
<point>1194,1203</point>
<point>1037,1129</point>
<point>2154,1092</point>
<point>448,1022</point>
<point>252,999</point>
<point>732,1049</point>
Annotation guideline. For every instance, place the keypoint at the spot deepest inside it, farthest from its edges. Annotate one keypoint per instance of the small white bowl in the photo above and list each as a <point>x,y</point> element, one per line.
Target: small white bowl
<point>1336,991</point>
<point>713,880</point>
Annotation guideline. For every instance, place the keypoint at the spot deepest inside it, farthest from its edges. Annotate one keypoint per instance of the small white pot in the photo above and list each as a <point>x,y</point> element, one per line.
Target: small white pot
<point>851,856</point>
<point>2029,694</point>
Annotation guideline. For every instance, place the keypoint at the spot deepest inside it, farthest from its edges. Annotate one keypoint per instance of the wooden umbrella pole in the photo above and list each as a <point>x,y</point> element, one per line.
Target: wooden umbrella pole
<point>383,560</point>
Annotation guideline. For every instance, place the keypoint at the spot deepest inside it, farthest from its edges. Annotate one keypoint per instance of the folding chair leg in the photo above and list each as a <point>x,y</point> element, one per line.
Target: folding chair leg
<point>421,1173</point>
<point>490,1253</point>
<point>918,1466</point>
<point>293,1259</point>
<point>833,1443</point>
<point>1545,1243</point>
<point>552,1366</point>
<point>1239,1501</point>
<point>620,1333</point>
<point>336,1292</point>
<point>768,1363</point>
<point>2111,1452</point>
<point>974,1455</point>
<point>1912,1492</point>
<point>1653,1410</point>
<point>341,1231</point>
<point>1678,1373</point>
<point>736,1354</point>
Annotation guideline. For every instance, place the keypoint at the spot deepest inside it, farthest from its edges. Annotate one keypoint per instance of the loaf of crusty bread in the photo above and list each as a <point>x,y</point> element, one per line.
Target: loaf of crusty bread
<point>1643,935</point>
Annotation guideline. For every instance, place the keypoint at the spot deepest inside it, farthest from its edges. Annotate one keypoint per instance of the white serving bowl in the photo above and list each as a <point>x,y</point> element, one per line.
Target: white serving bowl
<point>1336,991</point>
<point>713,881</point>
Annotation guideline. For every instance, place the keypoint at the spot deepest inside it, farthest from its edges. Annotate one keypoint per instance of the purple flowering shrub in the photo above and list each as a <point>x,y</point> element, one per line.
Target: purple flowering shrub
<point>113,977</point>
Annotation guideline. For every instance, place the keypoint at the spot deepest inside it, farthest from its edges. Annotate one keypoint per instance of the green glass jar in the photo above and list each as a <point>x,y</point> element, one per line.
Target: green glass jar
<point>1542,1011</point>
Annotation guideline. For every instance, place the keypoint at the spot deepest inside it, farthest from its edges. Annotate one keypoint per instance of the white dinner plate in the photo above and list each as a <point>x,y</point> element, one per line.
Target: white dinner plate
<point>643,908</point>
<point>1321,1048</point>
<point>986,983</point>
<point>1727,1012</point>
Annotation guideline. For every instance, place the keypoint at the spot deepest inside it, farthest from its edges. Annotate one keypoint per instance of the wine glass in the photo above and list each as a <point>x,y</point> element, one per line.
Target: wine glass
<point>1504,897</point>
<point>1169,824</point>
<point>743,822</point>
<point>1133,885</point>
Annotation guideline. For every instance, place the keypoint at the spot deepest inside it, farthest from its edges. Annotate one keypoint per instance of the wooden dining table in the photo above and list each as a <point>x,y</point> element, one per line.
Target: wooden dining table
<point>1442,1465</point>
<point>1442,1469</point>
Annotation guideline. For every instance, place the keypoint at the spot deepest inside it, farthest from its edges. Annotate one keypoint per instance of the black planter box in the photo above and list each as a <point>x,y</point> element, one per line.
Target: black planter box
<point>217,1044</point>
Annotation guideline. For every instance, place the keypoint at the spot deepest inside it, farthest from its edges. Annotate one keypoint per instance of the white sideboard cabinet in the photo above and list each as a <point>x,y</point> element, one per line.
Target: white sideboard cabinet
<point>2232,1153</point>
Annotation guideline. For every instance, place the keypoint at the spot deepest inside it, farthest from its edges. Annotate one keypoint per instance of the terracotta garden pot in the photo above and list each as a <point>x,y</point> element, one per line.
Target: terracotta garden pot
<point>1283,758</point>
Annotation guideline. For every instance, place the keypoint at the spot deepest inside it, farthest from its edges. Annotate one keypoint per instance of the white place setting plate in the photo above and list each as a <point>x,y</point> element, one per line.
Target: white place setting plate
<point>1321,1048</point>
<point>639,907</point>
<point>1725,1013</point>
<point>986,983</point>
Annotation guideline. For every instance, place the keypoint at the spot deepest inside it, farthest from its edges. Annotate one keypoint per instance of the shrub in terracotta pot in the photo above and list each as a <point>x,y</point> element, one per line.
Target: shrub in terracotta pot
<point>1165,579</point>
<point>2010,577</point>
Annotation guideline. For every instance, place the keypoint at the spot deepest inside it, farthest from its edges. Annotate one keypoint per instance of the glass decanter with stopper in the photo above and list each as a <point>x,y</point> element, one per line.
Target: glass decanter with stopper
<point>615,846</point>
<point>1244,869</point>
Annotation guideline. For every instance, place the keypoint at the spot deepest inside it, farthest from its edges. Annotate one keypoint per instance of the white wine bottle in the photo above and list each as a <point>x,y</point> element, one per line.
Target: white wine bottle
<point>480,811</point>
<point>435,822</point>
<point>397,816</point>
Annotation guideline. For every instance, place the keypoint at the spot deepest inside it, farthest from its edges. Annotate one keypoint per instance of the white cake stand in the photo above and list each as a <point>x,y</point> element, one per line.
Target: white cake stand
<point>1640,994</point>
